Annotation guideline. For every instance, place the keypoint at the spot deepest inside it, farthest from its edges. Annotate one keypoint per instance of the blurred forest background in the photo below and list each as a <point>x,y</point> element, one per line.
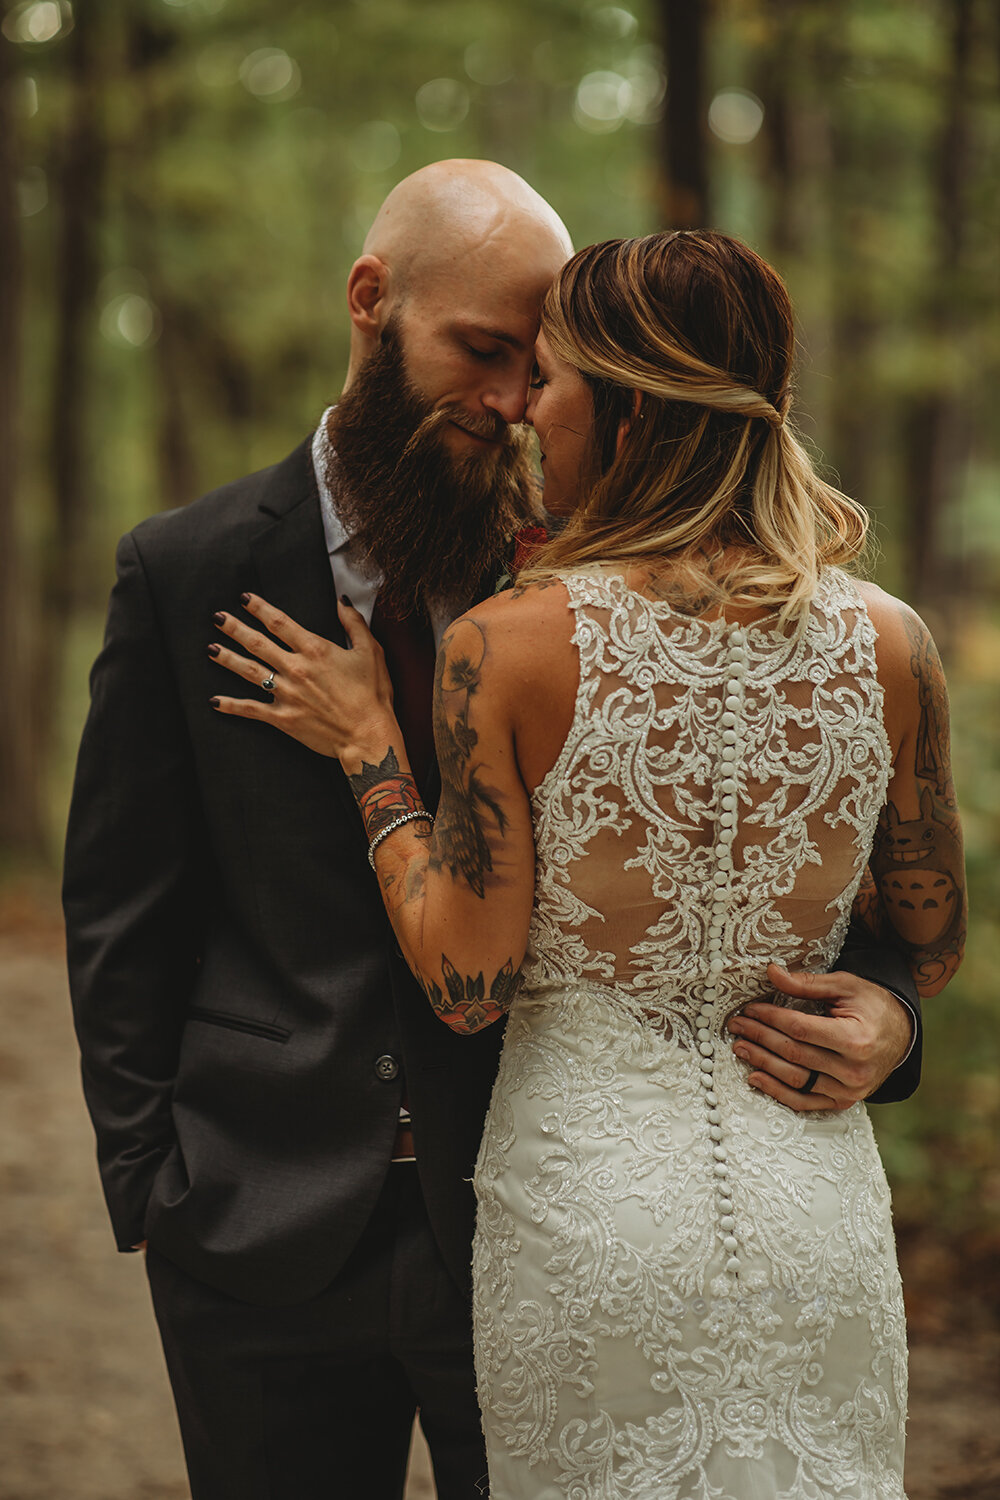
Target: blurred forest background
<point>185,183</point>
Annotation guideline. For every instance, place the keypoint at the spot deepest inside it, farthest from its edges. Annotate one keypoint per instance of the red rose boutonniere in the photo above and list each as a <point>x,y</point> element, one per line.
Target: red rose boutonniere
<point>524,544</point>
<point>528,541</point>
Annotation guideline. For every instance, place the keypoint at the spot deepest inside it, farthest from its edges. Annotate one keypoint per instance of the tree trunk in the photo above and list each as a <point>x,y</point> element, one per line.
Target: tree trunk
<point>854,316</point>
<point>149,41</point>
<point>79,177</point>
<point>934,425</point>
<point>21,820</point>
<point>683,178</point>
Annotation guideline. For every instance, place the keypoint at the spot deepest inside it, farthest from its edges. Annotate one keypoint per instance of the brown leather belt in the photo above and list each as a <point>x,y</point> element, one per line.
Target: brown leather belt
<point>402,1146</point>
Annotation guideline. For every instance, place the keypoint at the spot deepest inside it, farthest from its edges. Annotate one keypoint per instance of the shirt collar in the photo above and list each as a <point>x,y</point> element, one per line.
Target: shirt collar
<point>323,457</point>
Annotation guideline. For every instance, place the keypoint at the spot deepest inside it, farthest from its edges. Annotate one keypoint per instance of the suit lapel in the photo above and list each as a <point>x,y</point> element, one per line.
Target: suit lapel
<point>293,568</point>
<point>289,550</point>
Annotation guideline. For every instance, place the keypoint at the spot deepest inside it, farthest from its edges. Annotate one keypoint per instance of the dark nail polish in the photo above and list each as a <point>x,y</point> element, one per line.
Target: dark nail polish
<point>345,600</point>
<point>244,598</point>
<point>219,618</point>
<point>214,702</point>
<point>214,650</point>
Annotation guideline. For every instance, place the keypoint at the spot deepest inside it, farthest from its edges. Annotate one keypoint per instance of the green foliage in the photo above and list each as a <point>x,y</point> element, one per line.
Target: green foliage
<point>244,148</point>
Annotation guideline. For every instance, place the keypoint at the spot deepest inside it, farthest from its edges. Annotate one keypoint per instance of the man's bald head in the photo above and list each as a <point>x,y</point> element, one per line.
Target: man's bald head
<point>458,245</point>
<point>451,209</point>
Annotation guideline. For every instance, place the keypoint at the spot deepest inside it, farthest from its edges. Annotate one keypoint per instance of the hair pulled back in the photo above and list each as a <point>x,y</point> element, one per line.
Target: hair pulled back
<point>710,471</point>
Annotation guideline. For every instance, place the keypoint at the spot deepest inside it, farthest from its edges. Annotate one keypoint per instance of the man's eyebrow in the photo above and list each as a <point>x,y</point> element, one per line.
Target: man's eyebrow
<point>500,334</point>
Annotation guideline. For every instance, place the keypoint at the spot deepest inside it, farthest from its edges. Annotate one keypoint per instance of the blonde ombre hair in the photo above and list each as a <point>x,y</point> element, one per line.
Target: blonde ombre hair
<point>709,472</point>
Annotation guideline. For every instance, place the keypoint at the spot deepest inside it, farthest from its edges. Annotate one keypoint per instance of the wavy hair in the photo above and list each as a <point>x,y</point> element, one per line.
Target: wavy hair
<point>710,472</point>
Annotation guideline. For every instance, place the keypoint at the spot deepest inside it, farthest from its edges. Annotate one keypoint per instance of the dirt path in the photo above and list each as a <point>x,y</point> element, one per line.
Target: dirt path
<point>86,1412</point>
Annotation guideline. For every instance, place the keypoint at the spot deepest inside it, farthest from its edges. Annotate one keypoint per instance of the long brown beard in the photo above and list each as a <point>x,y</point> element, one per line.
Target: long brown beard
<point>434,525</point>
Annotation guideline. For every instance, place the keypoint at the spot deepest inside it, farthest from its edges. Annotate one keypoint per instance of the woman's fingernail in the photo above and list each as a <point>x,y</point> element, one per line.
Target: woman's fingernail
<point>345,600</point>
<point>735,1024</point>
<point>244,598</point>
<point>214,650</point>
<point>214,702</point>
<point>742,1053</point>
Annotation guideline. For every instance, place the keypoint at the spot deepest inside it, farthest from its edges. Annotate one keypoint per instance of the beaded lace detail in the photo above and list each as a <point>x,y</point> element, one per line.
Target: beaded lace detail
<point>683,1290</point>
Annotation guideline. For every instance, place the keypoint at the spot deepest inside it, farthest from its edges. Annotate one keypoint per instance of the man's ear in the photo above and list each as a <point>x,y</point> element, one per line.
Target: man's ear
<point>625,425</point>
<point>367,289</point>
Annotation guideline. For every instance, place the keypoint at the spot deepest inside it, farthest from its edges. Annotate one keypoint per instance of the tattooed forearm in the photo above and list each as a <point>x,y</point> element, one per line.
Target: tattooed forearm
<point>403,880</point>
<point>464,1003</point>
<point>470,812</point>
<point>384,792</point>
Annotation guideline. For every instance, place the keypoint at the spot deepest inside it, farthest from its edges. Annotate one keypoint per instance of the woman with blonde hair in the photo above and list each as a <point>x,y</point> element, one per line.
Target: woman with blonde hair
<point>685,744</point>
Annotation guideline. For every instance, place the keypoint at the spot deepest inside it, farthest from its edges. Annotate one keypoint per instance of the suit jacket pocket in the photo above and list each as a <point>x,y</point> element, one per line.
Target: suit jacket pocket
<point>239,1023</point>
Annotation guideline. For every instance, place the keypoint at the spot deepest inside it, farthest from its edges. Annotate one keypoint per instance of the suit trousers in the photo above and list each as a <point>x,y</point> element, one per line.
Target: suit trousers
<point>316,1401</point>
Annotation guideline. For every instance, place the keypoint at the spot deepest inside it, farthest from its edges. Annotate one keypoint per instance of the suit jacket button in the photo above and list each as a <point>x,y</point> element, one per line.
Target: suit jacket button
<point>386,1067</point>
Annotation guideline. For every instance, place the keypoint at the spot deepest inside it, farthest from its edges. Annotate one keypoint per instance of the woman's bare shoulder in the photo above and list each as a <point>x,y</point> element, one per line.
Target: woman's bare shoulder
<point>902,634</point>
<point>524,609</point>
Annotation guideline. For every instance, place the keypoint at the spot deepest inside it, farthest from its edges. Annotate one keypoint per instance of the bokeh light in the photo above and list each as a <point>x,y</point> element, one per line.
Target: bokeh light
<point>735,116</point>
<point>38,21</point>
<point>270,74</point>
<point>602,102</point>
<point>488,64</point>
<point>32,192</point>
<point>614,21</point>
<point>375,147</point>
<point>130,321</point>
<point>442,104</point>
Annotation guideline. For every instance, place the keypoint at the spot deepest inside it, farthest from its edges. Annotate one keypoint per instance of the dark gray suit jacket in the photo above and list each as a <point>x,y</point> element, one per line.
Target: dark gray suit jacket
<point>239,997</point>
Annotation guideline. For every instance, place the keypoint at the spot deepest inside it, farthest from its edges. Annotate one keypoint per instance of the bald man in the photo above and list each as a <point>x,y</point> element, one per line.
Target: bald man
<point>279,1113</point>
<point>249,1030</point>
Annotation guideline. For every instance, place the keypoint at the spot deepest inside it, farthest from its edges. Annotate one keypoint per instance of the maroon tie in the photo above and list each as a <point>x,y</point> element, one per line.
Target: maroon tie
<point>410,654</point>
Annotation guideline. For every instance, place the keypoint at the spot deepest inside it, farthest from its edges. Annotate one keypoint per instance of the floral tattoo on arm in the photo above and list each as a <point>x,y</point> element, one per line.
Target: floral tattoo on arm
<point>470,815</point>
<point>464,1003</point>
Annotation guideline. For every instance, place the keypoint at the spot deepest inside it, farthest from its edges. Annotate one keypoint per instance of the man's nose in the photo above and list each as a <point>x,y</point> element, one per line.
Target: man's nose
<point>508,400</point>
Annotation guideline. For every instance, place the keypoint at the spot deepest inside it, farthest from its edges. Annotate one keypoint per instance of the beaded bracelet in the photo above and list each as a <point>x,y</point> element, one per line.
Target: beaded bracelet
<point>409,817</point>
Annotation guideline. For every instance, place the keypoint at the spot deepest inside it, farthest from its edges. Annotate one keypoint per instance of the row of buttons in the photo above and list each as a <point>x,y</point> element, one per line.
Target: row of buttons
<point>707,1032</point>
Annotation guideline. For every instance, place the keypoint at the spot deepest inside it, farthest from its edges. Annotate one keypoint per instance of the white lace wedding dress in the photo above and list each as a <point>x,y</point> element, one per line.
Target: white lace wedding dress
<point>683,1290</point>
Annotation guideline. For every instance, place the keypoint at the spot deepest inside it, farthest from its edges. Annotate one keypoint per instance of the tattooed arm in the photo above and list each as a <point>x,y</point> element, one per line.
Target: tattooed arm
<point>459,897</point>
<point>459,894</point>
<point>914,889</point>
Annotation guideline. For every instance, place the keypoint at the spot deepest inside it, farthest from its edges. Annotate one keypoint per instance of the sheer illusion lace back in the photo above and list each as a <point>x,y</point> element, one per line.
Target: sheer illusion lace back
<point>683,1290</point>
<point>718,791</point>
